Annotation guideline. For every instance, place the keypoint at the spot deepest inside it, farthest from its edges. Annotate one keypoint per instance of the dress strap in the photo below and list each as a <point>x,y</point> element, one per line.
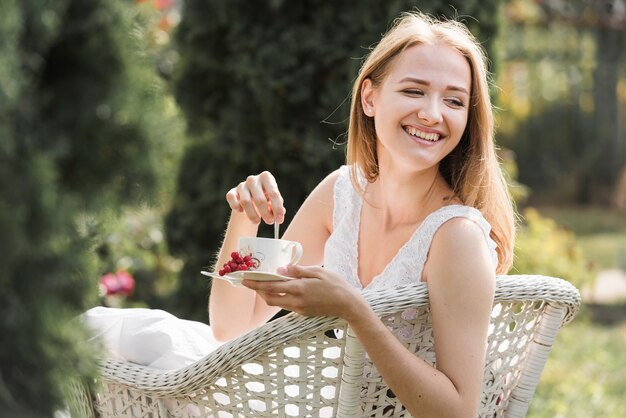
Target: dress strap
<point>345,198</point>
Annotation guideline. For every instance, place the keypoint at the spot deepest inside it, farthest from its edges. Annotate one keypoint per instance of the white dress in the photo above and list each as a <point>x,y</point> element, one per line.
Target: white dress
<point>341,250</point>
<point>155,338</point>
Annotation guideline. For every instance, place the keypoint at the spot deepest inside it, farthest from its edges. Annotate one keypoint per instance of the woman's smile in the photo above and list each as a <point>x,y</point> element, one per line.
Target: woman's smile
<point>421,134</point>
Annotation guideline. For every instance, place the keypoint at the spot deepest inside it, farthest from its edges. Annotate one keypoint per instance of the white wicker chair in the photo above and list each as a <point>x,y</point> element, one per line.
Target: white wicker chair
<point>294,366</point>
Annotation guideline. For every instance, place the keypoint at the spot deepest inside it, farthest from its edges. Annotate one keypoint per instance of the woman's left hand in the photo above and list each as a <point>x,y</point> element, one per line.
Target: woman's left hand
<point>315,292</point>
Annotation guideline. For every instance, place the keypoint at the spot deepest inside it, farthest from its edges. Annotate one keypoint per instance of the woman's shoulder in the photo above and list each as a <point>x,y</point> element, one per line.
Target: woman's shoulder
<point>322,197</point>
<point>458,210</point>
<point>462,228</point>
<point>338,182</point>
<point>327,185</point>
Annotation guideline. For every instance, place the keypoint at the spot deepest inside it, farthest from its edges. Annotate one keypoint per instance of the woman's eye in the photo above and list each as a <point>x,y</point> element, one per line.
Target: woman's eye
<point>414,92</point>
<point>455,102</point>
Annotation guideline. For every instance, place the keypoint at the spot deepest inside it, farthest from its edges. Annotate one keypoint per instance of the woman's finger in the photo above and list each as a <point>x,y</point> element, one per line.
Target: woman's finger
<point>273,287</point>
<point>245,200</point>
<point>272,194</point>
<point>259,198</point>
<point>297,271</point>
<point>232,197</point>
<point>284,299</point>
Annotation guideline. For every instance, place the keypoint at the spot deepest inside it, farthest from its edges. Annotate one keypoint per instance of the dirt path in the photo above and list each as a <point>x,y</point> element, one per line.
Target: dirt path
<point>609,288</point>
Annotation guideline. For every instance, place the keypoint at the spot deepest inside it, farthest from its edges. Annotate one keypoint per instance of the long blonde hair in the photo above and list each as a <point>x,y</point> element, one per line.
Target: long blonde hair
<point>472,168</point>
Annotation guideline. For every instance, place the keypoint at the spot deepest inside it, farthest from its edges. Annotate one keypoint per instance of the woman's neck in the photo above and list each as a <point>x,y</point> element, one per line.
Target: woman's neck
<point>406,198</point>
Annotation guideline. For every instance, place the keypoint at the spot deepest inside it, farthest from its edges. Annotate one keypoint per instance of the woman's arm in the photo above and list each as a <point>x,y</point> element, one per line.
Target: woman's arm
<point>461,282</point>
<point>234,311</point>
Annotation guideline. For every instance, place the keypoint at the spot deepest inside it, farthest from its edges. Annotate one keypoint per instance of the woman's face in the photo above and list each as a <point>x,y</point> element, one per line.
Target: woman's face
<point>420,109</point>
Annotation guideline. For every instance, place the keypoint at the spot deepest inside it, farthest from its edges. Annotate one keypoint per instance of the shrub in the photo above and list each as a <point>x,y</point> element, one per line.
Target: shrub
<point>542,247</point>
<point>82,127</point>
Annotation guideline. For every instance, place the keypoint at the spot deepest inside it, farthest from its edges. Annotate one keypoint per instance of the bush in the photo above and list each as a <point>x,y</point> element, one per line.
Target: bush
<point>134,242</point>
<point>82,127</point>
<point>542,247</point>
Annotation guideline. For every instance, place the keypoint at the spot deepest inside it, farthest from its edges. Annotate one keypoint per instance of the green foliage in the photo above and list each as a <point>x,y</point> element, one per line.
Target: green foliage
<point>135,242</point>
<point>584,376</point>
<point>588,220</point>
<point>82,126</point>
<point>600,232</point>
<point>43,264</point>
<point>265,86</point>
<point>542,247</point>
<point>98,133</point>
<point>557,166</point>
<point>561,76</point>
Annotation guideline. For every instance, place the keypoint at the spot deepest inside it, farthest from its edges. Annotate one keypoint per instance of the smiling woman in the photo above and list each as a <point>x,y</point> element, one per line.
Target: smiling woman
<point>422,179</point>
<point>424,95</point>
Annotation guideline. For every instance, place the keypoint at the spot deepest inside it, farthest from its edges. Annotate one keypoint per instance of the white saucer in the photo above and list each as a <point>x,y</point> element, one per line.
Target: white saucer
<point>236,277</point>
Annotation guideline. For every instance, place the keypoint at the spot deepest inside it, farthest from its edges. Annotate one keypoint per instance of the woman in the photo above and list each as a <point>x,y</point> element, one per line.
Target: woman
<point>422,178</point>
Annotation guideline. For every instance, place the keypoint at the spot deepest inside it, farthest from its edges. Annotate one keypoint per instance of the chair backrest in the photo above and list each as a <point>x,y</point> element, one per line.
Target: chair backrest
<point>298,366</point>
<point>527,314</point>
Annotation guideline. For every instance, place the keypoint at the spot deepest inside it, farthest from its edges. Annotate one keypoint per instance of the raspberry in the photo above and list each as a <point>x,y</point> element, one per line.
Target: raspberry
<point>239,262</point>
<point>221,272</point>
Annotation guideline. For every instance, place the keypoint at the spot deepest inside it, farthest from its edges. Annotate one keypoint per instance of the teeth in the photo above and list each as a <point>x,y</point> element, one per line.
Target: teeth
<point>432,137</point>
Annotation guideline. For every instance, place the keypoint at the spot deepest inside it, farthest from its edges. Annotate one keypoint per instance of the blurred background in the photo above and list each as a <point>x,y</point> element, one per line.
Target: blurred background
<point>124,123</point>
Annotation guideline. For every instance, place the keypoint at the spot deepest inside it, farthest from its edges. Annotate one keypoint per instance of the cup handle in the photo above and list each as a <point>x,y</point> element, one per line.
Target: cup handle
<point>297,252</point>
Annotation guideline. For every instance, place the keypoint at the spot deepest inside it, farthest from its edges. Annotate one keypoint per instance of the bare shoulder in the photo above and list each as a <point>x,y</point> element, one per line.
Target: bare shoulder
<point>461,234</point>
<point>326,187</point>
<point>322,197</point>
<point>459,248</point>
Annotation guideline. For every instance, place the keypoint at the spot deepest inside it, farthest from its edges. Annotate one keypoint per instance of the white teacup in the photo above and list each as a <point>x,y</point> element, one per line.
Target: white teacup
<point>270,253</point>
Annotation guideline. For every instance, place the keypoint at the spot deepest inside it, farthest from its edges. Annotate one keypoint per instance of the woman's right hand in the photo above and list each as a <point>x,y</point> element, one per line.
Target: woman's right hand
<point>259,198</point>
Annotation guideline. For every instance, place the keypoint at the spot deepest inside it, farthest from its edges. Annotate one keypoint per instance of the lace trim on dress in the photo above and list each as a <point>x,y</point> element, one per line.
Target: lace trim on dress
<point>341,251</point>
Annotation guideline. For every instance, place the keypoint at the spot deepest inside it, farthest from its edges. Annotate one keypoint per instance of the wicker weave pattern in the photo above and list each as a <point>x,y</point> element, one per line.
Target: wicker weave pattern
<point>290,367</point>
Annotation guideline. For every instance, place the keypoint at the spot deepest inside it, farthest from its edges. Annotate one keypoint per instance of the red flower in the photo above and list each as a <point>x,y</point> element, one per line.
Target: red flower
<point>119,283</point>
<point>163,4</point>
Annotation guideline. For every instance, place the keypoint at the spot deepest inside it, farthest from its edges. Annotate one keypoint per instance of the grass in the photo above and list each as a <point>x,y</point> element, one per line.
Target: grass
<point>586,221</point>
<point>605,250</point>
<point>586,373</point>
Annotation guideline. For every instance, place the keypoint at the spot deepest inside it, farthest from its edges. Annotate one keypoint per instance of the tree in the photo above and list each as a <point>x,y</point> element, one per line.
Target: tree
<point>79,117</point>
<point>265,86</point>
<point>583,147</point>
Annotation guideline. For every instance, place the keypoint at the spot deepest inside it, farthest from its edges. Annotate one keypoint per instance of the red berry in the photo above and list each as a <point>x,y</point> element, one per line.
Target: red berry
<point>250,263</point>
<point>242,268</point>
<point>234,255</point>
<point>227,269</point>
<point>233,266</point>
<point>221,272</point>
<point>247,258</point>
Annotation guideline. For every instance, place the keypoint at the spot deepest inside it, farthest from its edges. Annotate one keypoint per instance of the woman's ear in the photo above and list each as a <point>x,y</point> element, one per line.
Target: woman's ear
<point>367,97</point>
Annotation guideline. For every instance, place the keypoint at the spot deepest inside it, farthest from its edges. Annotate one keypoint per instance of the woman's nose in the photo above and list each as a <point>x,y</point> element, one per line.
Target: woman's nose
<point>430,112</point>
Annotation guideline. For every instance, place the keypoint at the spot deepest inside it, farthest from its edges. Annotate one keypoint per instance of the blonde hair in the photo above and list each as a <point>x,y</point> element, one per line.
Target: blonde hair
<point>472,168</point>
